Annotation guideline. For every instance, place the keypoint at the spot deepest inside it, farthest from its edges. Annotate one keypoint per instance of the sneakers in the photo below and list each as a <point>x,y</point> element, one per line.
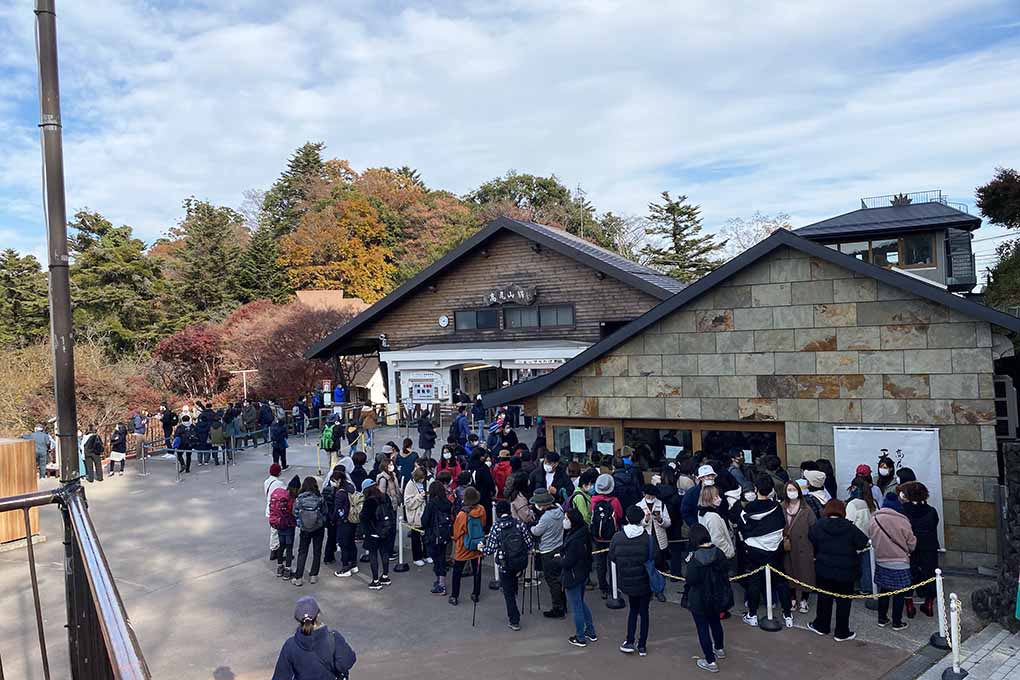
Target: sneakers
<point>438,589</point>
<point>628,648</point>
<point>719,653</point>
<point>452,600</point>
<point>345,573</point>
<point>642,651</point>
<point>900,626</point>
<point>393,558</point>
<point>576,641</point>
<point>804,607</point>
<point>375,585</point>
<point>706,666</point>
<point>354,570</point>
<point>811,627</point>
<point>848,638</point>
<point>788,620</point>
<point>419,563</point>
<point>882,623</point>
<point>279,571</point>
<point>661,597</point>
<point>313,580</point>
<point>750,619</point>
<point>554,614</point>
<point>297,582</point>
<point>385,580</point>
<point>429,560</point>
<point>514,626</point>
<point>591,637</point>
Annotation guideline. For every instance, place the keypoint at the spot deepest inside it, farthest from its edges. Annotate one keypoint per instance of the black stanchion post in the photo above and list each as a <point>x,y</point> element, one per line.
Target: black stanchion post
<point>401,566</point>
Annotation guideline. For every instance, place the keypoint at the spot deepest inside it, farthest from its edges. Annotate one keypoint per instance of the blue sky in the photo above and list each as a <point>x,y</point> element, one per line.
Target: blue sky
<point>794,106</point>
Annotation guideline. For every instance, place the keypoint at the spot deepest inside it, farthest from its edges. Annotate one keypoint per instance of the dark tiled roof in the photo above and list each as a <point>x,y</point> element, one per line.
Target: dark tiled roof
<point>868,221</point>
<point>642,278</point>
<point>912,284</point>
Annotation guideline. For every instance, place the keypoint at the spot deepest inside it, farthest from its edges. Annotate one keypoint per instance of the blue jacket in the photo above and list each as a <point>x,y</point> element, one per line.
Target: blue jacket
<point>689,505</point>
<point>303,656</point>
<point>338,395</point>
<point>462,428</point>
<point>278,435</point>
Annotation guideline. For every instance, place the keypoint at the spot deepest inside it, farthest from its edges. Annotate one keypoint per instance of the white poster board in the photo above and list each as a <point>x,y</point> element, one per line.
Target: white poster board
<point>605,448</point>
<point>673,451</point>
<point>919,451</point>
<point>577,440</point>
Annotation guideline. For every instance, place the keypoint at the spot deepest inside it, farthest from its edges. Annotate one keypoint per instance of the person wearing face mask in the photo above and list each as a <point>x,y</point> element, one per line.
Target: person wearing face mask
<point>405,462</point>
<point>761,524</point>
<point>816,488</point>
<point>581,498</point>
<point>414,507</point>
<point>718,527</point>
<point>707,593</point>
<point>511,543</point>
<point>892,540</point>
<point>665,481</point>
<point>575,565</point>
<point>625,486</point>
<point>553,478</point>
<point>449,463</point>
<point>388,484</point>
<point>689,504</point>
<point>656,522</point>
<point>886,481</point>
<point>629,552</point>
<point>549,531</point>
<point>798,551</point>
<point>859,510</point>
<point>481,479</point>
<point>924,522</point>
<point>501,471</point>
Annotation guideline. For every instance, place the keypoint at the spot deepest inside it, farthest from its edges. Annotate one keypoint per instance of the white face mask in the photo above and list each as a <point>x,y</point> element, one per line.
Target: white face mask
<point>792,495</point>
<point>547,467</point>
<point>488,463</point>
<point>649,502</point>
<point>656,480</point>
<point>750,496</point>
<point>884,472</point>
<point>446,456</point>
<point>566,524</point>
<point>903,498</point>
<point>708,482</point>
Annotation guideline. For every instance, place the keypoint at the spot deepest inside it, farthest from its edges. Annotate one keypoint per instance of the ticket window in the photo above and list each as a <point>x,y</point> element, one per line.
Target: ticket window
<point>583,444</point>
<point>653,447</point>
<point>758,443</point>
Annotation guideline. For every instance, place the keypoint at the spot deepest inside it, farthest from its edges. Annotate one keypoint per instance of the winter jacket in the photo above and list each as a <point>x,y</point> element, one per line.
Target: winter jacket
<point>342,501</point>
<point>390,487</point>
<point>426,435</point>
<point>689,505</point>
<point>405,466</point>
<point>167,419</point>
<point>358,475</point>
<point>434,507</point>
<point>718,529</point>
<point>461,429</point>
<point>139,423</point>
<point>654,528</point>
<point>42,441</point>
<point>858,514</point>
<point>629,551</point>
<point>761,524</point>
<point>581,501</point>
<point>892,538</point>
<point>478,412</point>
<point>700,564</point>
<point>369,421</point>
<point>490,546</point>
<point>575,559</point>
<point>302,656</point>
<point>414,503</point>
<point>369,527</point>
<point>549,530</point>
<point>520,509</point>
<point>482,480</point>
<point>266,417</point>
<point>309,502</point>
<point>799,561</point>
<point>672,501</point>
<point>460,530</point>
<point>508,440</point>
<point>250,416</point>
<point>118,440</point>
<point>500,473</point>
<point>924,522</point>
<point>837,544</point>
<point>626,487</point>
<point>278,434</point>
<point>453,466</point>
<point>560,481</point>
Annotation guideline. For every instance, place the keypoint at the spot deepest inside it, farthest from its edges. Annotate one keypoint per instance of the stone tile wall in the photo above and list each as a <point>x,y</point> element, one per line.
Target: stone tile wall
<point>798,340</point>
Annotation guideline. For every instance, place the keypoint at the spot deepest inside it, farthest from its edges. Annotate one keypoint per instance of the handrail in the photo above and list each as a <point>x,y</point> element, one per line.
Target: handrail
<point>125,654</point>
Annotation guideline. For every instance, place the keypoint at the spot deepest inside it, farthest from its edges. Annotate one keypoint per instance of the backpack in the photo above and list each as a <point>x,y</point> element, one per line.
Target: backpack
<point>312,517</point>
<point>385,518</point>
<point>512,556</point>
<point>326,442</point>
<point>475,534</point>
<point>603,522</point>
<point>582,494</point>
<point>279,507</point>
<point>357,500</point>
<point>329,501</point>
<point>442,527</point>
<point>454,432</point>
<point>718,591</point>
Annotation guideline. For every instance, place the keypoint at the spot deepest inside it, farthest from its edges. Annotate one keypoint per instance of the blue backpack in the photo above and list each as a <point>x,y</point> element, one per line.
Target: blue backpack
<point>656,580</point>
<point>475,534</point>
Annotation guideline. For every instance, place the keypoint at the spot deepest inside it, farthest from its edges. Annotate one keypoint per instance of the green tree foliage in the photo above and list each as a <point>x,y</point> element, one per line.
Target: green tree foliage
<point>1003,289</point>
<point>677,246</point>
<point>999,200</point>
<point>114,286</point>
<point>24,310</point>
<point>205,286</point>
<point>284,203</point>
<point>259,273</point>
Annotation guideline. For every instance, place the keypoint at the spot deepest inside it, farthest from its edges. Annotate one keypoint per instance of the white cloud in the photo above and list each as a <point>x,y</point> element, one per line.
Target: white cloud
<point>800,106</point>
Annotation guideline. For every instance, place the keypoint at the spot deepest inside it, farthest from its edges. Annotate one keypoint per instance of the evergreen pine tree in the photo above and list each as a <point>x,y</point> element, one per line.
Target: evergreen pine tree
<point>24,306</point>
<point>259,274</point>
<point>684,253</point>
<point>207,283</point>
<point>282,205</point>
<point>114,283</point>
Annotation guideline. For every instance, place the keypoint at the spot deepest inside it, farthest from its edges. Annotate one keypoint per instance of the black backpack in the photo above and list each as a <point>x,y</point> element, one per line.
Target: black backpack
<point>512,556</point>
<point>442,527</point>
<point>385,517</point>
<point>454,432</point>
<point>603,522</point>
<point>718,591</point>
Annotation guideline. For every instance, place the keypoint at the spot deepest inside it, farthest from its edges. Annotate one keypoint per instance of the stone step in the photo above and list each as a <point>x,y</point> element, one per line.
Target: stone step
<point>974,649</point>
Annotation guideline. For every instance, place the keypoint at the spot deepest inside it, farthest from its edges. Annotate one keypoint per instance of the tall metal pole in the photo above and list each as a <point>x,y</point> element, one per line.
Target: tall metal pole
<point>56,239</point>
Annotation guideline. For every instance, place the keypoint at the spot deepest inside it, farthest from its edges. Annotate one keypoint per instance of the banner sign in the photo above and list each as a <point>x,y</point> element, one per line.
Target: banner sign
<point>511,295</point>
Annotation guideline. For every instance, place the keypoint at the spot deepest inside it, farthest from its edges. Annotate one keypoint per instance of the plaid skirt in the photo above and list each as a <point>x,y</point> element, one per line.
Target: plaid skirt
<point>892,579</point>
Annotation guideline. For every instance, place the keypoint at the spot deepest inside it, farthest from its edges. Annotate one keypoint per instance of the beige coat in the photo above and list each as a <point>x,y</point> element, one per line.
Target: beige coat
<point>414,503</point>
<point>799,562</point>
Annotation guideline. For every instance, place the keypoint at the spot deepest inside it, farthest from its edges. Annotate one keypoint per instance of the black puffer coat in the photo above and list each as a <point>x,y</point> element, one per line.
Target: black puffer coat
<point>630,555</point>
<point>576,556</point>
<point>837,544</point>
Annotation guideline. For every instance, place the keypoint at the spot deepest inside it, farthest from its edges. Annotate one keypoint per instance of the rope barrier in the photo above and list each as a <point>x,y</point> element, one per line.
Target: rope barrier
<point>850,597</point>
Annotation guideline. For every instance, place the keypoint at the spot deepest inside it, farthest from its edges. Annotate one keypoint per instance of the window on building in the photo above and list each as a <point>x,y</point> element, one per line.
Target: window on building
<point>557,315</point>
<point>885,252</point>
<point>520,317</point>
<point>918,250</point>
<point>858,249</point>
<point>598,441</point>
<point>476,319</point>
<point>653,448</point>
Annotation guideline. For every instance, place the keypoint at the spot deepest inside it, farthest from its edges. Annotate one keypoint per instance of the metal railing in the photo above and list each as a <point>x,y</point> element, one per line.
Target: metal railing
<point>912,198</point>
<point>101,643</point>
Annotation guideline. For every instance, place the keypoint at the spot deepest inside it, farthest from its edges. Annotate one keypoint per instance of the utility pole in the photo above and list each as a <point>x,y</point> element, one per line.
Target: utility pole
<point>244,379</point>
<point>61,335</point>
<point>580,204</point>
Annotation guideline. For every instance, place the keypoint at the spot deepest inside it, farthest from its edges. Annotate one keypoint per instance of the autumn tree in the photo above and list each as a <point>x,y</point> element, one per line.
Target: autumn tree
<point>999,199</point>
<point>677,246</point>
<point>24,306</point>
<point>340,244</point>
<point>285,202</point>
<point>742,233</point>
<point>191,361</point>
<point>115,287</point>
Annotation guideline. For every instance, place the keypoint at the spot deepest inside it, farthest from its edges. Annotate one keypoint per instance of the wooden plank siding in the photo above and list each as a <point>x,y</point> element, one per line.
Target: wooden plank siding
<point>18,475</point>
<point>510,259</point>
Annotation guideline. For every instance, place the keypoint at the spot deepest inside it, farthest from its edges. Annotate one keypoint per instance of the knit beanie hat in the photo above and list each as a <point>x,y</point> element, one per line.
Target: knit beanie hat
<point>815,478</point>
<point>275,470</point>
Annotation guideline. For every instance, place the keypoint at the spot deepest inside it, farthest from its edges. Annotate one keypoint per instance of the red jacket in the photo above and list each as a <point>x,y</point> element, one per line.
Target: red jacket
<point>614,502</point>
<point>453,466</point>
<point>500,471</point>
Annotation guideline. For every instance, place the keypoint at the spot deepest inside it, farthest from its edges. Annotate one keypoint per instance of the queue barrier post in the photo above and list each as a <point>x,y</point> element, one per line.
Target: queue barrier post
<point>615,602</point>
<point>401,566</point>
<point>872,604</point>
<point>940,639</point>
<point>954,672</point>
<point>143,473</point>
<point>769,624</point>
<point>494,583</point>
<point>226,467</point>
<point>177,464</point>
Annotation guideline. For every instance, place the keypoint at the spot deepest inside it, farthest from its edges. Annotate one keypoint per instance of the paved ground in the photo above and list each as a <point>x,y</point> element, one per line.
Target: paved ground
<point>191,564</point>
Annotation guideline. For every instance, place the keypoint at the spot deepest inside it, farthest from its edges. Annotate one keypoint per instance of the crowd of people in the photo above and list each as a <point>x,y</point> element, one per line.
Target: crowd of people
<point>706,518</point>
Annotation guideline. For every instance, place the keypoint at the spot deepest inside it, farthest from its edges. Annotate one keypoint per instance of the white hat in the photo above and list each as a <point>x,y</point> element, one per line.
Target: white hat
<point>705,471</point>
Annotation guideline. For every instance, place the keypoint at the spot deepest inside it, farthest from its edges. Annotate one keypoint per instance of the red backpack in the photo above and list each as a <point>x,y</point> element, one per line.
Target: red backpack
<point>281,510</point>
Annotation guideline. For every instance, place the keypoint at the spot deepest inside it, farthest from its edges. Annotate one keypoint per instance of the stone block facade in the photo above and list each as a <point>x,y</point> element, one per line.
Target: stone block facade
<point>798,340</point>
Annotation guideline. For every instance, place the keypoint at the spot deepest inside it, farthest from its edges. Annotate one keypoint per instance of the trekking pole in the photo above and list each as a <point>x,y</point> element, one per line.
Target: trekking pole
<point>872,604</point>
<point>769,624</point>
<point>940,640</point>
<point>615,602</point>
<point>494,583</point>
<point>401,566</point>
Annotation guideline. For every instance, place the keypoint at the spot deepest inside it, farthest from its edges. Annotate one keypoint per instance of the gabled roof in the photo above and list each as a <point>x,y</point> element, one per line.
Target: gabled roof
<point>611,264</point>
<point>890,219</point>
<point>915,285</point>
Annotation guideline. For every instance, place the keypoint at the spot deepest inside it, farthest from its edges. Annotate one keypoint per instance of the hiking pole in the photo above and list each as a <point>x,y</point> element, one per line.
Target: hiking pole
<point>769,624</point>
<point>494,583</point>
